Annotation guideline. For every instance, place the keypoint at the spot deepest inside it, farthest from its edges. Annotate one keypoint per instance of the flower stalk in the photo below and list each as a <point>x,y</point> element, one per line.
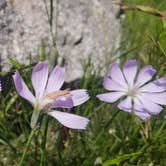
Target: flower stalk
<point>27,145</point>
<point>34,118</point>
<point>44,129</point>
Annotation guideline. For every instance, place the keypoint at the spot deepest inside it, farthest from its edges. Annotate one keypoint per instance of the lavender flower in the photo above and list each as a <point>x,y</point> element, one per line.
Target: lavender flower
<point>143,96</point>
<point>48,95</point>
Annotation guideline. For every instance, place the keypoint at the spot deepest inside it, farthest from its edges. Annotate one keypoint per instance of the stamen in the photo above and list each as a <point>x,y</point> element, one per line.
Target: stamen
<point>56,94</point>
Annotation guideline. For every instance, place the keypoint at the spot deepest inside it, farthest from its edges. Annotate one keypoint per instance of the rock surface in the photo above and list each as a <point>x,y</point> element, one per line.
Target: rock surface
<point>81,29</point>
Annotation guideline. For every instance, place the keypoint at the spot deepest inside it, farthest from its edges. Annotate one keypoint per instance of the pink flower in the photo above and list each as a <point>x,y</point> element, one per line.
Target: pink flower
<point>143,96</point>
<point>48,95</point>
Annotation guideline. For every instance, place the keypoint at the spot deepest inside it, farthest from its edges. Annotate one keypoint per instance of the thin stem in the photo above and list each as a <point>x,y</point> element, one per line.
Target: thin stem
<point>51,13</point>
<point>43,161</point>
<point>34,118</point>
<point>159,131</point>
<point>113,116</point>
<point>27,145</point>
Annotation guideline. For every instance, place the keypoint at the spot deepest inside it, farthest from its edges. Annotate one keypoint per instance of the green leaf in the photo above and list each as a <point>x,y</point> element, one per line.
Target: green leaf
<point>11,102</point>
<point>15,63</point>
<point>119,159</point>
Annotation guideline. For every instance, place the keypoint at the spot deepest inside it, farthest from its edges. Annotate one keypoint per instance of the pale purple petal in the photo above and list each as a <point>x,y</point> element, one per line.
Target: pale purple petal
<point>126,104</point>
<point>149,106</point>
<point>145,75</point>
<point>39,78</point>
<point>22,89</point>
<point>152,87</point>
<point>140,111</point>
<point>110,97</point>
<point>70,120</point>
<point>56,79</point>
<point>143,115</point>
<point>79,96</point>
<point>161,82</point>
<point>111,85</point>
<point>0,86</point>
<point>130,71</point>
<point>63,102</point>
<point>117,75</point>
<point>137,104</point>
<point>158,98</point>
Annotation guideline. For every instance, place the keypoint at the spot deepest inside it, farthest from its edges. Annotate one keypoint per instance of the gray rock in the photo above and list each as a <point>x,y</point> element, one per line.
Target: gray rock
<point>82,30</point>
<point>3,4</point>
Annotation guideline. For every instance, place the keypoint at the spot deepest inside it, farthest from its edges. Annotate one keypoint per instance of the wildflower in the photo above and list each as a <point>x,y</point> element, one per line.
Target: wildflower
<point>143,96</point>
<point>48,95</point>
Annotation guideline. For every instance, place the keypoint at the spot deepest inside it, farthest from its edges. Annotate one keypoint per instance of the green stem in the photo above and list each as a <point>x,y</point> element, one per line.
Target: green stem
<point>159,131</point>
<point>34,118</point>
<point>113,116</point>
<point>27,146</point>
<point>43,161</point>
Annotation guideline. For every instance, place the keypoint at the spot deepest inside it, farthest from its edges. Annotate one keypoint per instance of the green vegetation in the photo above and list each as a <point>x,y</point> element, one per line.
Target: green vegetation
<point>113,137</point>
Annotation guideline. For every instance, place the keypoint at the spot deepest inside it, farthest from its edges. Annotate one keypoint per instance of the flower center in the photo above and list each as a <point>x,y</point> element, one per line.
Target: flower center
<point>132,91</point>
<point>47,99</point>
<point>54,95</point>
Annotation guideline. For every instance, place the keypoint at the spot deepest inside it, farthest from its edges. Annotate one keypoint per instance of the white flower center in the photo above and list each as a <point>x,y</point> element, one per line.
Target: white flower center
<point>132,91</point>
<point>49,98</point>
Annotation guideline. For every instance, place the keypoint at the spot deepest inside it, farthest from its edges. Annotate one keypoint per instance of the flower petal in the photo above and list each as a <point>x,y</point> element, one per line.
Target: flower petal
<point>22,89</point>
<point>126,104</point>
<point>70,120</point>
<point>130,71</point>
<point>158,98</point>
<point>39,78</point>
<point>143,115</point>
<point>111,85</point>
<point>79,96</point>
<point>117,75</point>
<point>145,74</point>
<point>56,79</point>
<point>152,87</point>
<point>63,102</point>
<point>149,106</point>
<point>110,97</point>
<point>140,111</point>
<point>161,82</point>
